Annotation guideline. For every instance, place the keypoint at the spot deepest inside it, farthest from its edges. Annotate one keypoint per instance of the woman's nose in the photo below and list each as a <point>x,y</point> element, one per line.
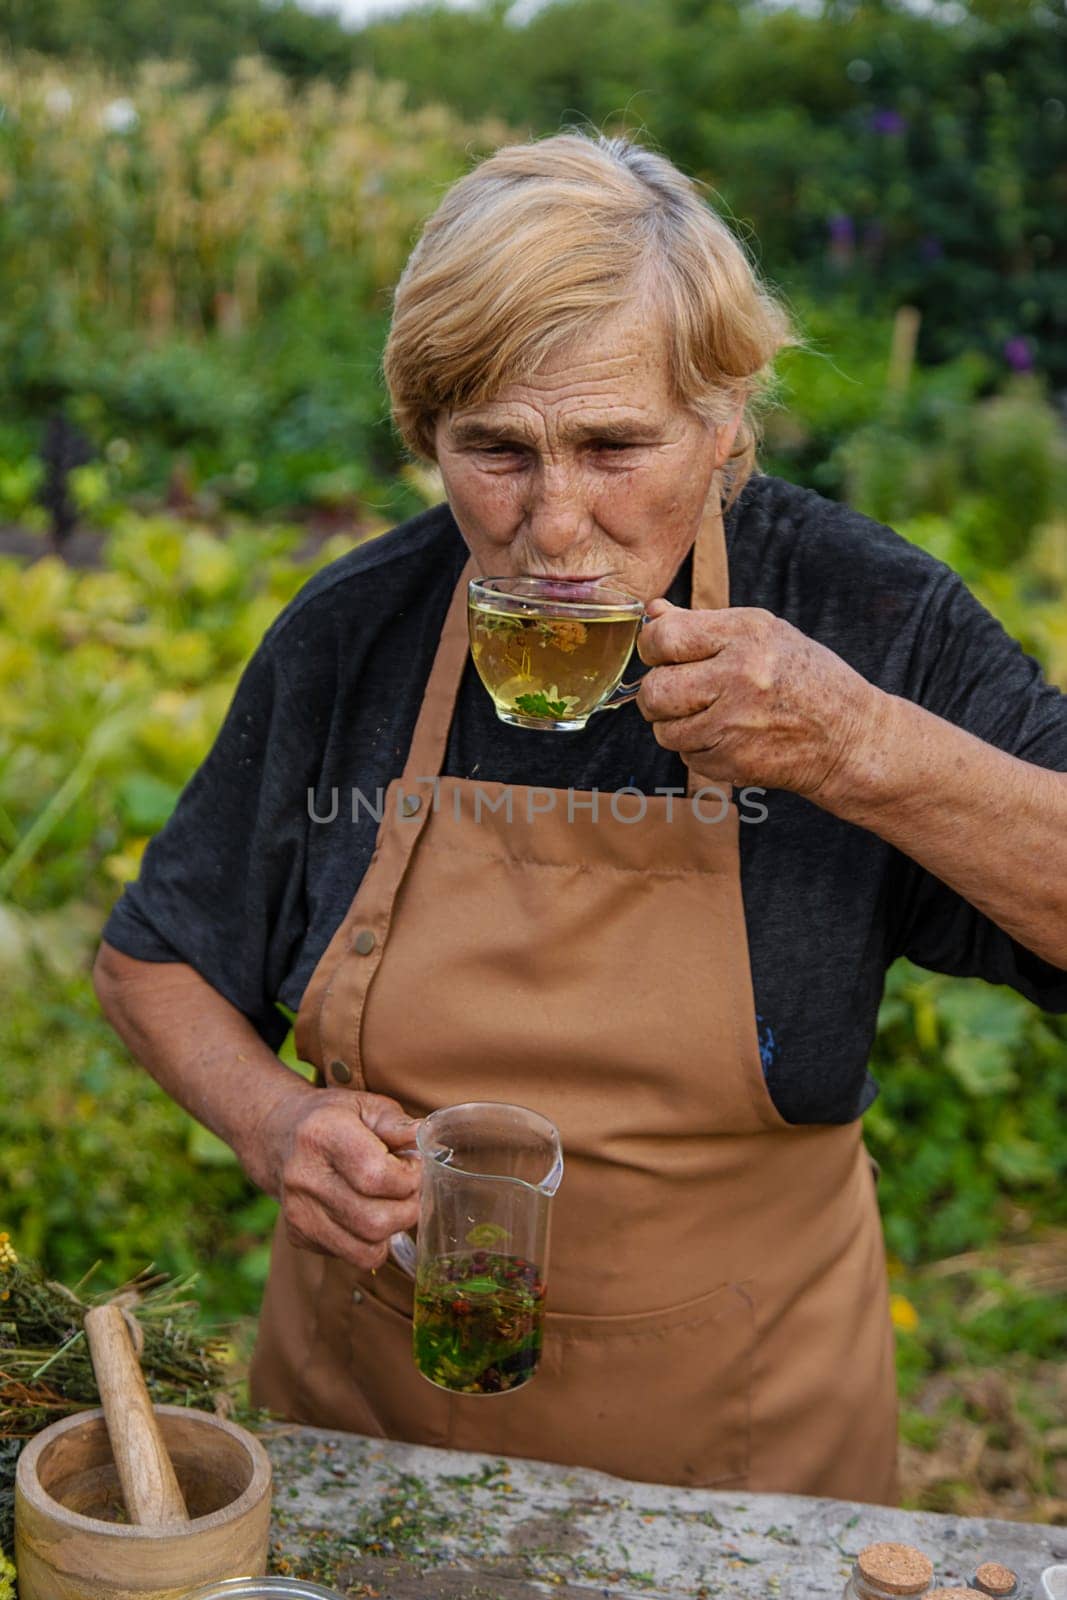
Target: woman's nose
<point>558,518</point>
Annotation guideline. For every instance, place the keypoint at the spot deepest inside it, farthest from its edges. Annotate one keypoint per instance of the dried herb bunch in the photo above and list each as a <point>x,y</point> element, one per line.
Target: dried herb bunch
<point>45,1370</point>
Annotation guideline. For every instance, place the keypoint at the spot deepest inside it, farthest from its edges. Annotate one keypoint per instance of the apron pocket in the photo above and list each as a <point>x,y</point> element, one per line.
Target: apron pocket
<point>365,1347</point>
<point>288,1331</point>
<point>662,1396</point>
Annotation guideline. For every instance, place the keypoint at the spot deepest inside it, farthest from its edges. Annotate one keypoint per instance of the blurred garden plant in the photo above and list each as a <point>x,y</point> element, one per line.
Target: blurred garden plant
<point>112,684</point>
<point>202,273</point>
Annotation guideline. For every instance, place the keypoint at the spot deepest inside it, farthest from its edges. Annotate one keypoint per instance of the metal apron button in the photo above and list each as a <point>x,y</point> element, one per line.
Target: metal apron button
<point>357,1297</point>
<point>340,1072</point>
<point>364,942</point>
<point>410,804</point>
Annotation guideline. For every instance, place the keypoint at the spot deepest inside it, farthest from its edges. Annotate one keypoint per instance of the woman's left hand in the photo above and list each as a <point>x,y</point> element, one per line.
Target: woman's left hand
<point>748,699</point>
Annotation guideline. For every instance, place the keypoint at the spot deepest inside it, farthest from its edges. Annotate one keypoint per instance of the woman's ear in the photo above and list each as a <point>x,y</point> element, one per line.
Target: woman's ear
<point>725,434</point>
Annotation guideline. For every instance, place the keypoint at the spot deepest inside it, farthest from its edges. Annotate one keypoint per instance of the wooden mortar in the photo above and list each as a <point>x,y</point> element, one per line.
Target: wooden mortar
<point>135,1502</point>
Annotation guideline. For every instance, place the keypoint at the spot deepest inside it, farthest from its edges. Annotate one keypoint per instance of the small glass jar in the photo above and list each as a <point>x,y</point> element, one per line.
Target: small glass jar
<point>994,1578</point>
<point>889,1572</point>
<point>262,1589</point>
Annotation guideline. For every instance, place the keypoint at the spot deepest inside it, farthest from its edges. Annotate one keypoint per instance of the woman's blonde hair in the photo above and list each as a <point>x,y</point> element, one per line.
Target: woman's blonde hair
<point>539,242</point>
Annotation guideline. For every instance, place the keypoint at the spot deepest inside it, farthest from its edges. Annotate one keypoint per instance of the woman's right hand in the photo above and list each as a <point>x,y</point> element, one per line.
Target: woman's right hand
<point>328,1156</point>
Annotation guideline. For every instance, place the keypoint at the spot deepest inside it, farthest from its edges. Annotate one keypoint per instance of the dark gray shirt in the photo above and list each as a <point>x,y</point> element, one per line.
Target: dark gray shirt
<point>245,887</point>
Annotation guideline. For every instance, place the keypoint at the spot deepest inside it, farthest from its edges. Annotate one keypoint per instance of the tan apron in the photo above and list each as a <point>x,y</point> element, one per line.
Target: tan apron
<point>717,1288</point>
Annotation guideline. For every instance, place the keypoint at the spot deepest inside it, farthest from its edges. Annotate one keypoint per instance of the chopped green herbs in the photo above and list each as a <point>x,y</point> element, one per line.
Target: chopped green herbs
<point>491,622</point>
<point>539,705</point>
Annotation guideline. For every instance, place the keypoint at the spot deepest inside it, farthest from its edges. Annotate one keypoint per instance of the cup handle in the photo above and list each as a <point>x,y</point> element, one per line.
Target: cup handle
<point>623,693</point>
<point>621,696</point>
<point>404,1252</point>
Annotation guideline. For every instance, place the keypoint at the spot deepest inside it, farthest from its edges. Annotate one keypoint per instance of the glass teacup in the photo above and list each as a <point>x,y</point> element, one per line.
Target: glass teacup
<point>552,652</point>
<point>480,1260</point>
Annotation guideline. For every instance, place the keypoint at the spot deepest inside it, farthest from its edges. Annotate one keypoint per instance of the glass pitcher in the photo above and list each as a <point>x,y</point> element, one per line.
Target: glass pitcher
<point>489,1171</point>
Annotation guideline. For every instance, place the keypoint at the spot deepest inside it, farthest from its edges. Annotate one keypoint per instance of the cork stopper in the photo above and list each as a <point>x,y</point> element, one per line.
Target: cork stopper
<point>992,1578</point>
<point>953,1594</point>
<point>895,1568</point>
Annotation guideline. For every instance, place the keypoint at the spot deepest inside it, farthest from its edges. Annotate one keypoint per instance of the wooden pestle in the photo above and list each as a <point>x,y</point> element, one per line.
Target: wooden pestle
<point>146,1473</point>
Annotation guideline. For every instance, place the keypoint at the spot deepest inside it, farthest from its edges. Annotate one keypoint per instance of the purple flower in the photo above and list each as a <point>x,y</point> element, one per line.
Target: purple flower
<point>842,229</point>
<point>887,122</point>
<point>930,248</point>
<point>1018,355</point>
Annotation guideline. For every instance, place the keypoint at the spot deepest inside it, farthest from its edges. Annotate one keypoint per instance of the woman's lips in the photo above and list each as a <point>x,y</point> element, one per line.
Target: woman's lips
<point>572,577</point>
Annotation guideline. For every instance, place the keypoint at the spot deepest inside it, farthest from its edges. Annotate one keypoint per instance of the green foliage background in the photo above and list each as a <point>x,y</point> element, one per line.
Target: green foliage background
<point>194,266</point>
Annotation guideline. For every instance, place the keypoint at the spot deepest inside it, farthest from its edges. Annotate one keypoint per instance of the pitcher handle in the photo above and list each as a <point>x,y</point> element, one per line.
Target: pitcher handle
<point>404,1252</point>
<point>402,1246</point>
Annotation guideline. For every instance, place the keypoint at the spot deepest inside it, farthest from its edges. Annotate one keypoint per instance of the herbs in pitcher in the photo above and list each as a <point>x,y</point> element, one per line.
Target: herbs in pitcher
<point>478,1321</point>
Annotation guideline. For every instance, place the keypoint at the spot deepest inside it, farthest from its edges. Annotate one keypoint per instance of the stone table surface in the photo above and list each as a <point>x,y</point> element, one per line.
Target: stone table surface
<point>405,1522</point>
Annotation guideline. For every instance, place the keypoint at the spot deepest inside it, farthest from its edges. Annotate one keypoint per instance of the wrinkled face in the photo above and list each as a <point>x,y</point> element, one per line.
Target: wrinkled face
<point>589,469</point>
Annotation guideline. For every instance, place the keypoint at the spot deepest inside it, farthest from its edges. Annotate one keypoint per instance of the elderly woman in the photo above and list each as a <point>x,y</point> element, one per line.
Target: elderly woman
<point>687,990</point>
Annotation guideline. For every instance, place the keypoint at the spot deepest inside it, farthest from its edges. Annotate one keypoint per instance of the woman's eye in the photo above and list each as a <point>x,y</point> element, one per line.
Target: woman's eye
<point>512,452</point>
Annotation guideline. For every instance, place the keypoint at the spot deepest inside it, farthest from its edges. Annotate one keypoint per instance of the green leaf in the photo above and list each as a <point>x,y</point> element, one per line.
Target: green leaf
<point>981,1066</point>
<point>206,1149</point>
<point>484,1234</point>
<point>255,1263</point>
<point>1020,1162</point>
<point>539,705</point>
<point>145,802</point>
<point>984,1012</point>
<point>892,1012</point>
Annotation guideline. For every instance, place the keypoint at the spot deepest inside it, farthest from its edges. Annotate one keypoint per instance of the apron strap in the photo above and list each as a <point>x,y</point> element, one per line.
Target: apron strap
<point>710,592</point>
<point>426,756</point>
<point>711,574</point>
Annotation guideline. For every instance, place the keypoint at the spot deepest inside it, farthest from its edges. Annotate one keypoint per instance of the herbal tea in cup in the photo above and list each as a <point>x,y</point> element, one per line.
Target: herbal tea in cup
<point>551,653</point>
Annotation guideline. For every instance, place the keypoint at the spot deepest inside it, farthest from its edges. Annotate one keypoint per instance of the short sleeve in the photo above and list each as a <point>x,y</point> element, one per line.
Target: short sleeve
<point>967,669</point>
<point>221,885</point>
